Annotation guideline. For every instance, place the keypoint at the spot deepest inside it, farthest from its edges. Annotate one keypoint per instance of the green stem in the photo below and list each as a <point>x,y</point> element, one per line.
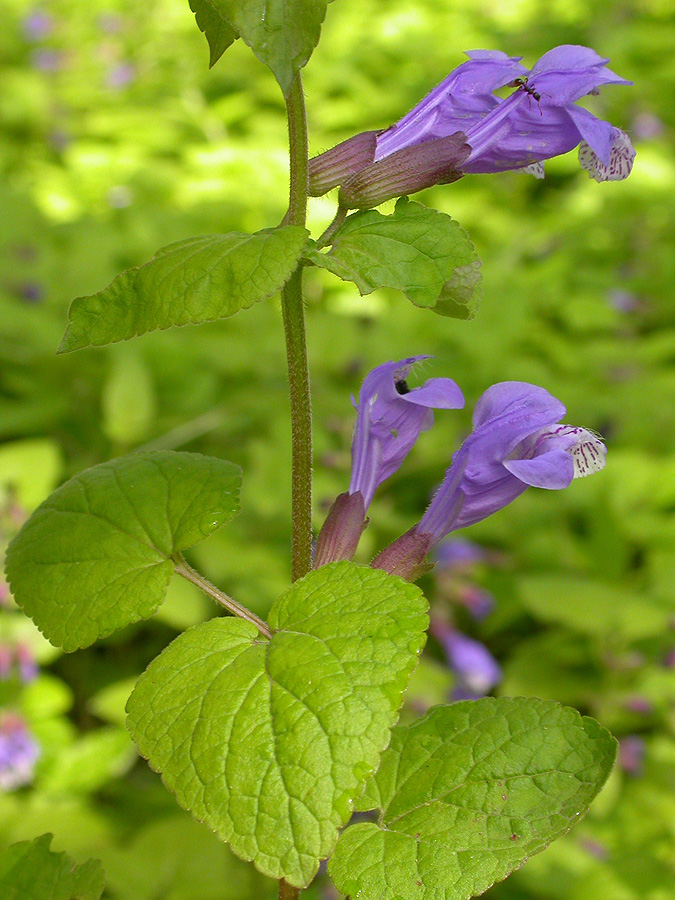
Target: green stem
<point>182,567</point>
<point>296,345</point>
<point>287,891</point>
<point>327,236</point>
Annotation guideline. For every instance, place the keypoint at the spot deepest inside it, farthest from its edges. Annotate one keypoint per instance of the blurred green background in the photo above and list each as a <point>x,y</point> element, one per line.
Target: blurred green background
<point>115,139</point>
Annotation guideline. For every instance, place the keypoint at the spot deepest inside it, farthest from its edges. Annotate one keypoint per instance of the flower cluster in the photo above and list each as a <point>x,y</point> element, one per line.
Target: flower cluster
<point>517,442</point>
<point>462,127</point>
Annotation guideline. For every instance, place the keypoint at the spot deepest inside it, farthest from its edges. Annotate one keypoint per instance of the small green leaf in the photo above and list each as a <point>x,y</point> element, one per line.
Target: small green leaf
<point>281,33</point>
<point>416,250</point>
<point>31,871</point>
<point>97,554</point>
<point>468,793</point>
<point>269,742</point>
<point>198,280</point>
<point>211,21</point>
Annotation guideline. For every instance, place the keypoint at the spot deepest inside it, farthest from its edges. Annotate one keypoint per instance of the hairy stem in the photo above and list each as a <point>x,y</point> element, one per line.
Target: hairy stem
<point>296,345</point>
<point>287,891</point>
<point>182,567</point>
<point>327,236</point>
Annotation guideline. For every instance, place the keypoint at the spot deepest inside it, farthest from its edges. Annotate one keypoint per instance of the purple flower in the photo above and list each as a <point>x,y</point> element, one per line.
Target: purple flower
<point>390,418</point>
<point>458,103</point>
<point>18,754</point>
<point>462,128</point>
<point>476,668</point>
<point>516,443</point>
<point>540,120</point>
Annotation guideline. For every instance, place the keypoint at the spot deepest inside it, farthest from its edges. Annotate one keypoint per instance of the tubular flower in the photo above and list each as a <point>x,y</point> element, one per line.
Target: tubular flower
<point>540,120</point>
<point>516,443</point>
<point>390,417</point>
<point>470,131</point>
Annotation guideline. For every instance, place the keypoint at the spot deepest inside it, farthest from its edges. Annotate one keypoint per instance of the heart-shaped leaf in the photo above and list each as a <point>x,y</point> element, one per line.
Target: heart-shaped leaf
<point>417,250</point>
<point>204,278</point>
<point>468,793</point>
<point>97,554</point>
<point>269,742</point>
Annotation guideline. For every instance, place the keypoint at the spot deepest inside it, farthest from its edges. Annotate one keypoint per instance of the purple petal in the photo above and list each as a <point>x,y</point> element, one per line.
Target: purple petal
<point>519,401</point>
<point>553,470</point>
<point>390,418</point>
<point>439,393</point>
<point>459,100</point>
<point>598,134</point>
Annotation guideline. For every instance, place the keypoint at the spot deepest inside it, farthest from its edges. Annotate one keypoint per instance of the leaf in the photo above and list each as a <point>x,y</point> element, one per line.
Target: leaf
<point>281,33</point>
<point>270,742</point>
<point>190,282</point>
<point>211,21</point>
<point>30,871</point>
<point>416,250</point>
<point>97,554</point>
<point>469,792</point>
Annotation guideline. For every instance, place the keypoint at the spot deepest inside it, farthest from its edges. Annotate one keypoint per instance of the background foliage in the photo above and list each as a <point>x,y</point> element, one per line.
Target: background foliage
<point>116,140</point>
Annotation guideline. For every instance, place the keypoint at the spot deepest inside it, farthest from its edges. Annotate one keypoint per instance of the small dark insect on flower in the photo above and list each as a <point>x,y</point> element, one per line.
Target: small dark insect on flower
<point>521,84</point>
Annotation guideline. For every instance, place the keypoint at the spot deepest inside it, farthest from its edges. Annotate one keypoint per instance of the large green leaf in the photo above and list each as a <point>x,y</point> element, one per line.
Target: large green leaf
<point>198,280</point>
<point>269,742</point>
<point>210,20</point>
<point>416,250</point>
<point>30,871</point>
<point>281,33</point>
<point>469,792</point>
<point>97,554</point>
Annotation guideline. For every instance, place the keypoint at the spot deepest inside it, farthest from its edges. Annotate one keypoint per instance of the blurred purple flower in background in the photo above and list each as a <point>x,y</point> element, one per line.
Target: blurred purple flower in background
<point>390,417</point>
<point>26,664</point>
<point>632,751</point>
<point>46,60</point>
<point>19,752</point>
<point>120,76</point>
<point>37,25</point>
<point>456,563</point>
<point>459,554</point>
<point>476,668</point>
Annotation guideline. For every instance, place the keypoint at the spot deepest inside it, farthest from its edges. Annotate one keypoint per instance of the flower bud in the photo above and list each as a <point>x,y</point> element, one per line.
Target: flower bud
<point>336,165</point>
<point>342,530</point>
<point>406,557</point>
<point>406,171</point>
